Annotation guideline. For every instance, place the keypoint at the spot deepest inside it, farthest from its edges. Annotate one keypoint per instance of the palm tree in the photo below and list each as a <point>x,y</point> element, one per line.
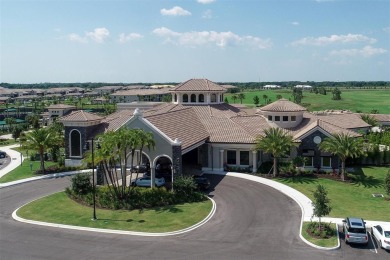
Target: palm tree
<point>275,141</point>
<point>234,97</point>
<point>241,96</point>
<point>344,146</point>
<point>41,140</point>
<point>265,97</point>
<point>369,119</point>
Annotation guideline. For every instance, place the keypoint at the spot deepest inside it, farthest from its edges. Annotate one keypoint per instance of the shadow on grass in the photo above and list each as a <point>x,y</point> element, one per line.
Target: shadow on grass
<point>298,179</point>
<point>170,209</point>
<point>358,178</point>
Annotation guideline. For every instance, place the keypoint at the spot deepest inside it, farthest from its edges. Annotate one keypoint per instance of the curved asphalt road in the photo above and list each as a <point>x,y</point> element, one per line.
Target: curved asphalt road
<point>252,221</point>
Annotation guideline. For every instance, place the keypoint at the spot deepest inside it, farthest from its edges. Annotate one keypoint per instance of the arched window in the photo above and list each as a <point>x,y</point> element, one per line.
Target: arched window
<point>201,98</point>
<point>175,98</point>
<point>185,98</point>
<point>213,98</point>
<point>75,143</point>
<point>193,98</point>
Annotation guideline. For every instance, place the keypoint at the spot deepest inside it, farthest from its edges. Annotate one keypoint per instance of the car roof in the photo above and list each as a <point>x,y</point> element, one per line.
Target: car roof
<point>356,222</point>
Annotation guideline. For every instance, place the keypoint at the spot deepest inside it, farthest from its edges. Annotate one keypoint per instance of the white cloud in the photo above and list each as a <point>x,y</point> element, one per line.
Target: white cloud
<point>98,35</point>
<point>207,14</point>
<point>366,52</point>
<point>386,29</point>
<point>321,41</point>
<point>206,1</point>
<point>220,39</point>
<point>77,38</point>
<point>295,23</point>
<point>130,37</point>
<point>175,11</point>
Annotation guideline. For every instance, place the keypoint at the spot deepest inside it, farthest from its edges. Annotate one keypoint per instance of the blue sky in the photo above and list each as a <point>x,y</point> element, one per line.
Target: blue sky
<point>173,41</point>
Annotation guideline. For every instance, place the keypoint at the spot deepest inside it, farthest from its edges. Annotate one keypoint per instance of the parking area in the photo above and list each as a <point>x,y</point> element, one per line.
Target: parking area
<point>369,251</point>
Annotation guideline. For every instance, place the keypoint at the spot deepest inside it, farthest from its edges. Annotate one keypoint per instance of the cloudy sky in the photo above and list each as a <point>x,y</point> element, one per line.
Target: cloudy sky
<point>173,41</point>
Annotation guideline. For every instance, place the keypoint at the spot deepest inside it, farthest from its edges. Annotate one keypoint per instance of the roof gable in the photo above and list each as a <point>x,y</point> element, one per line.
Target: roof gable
<point>198,85</point>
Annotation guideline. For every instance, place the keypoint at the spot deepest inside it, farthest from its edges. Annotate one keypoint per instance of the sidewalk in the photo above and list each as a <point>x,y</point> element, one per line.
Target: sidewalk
<point>15,157</point>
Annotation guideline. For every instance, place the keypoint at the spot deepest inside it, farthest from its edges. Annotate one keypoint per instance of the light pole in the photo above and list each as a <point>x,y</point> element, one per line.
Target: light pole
<point>21,155</point>
<point>93,176</point>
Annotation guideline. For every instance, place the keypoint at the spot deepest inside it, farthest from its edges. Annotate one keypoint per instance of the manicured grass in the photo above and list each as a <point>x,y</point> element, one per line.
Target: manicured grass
<point>329,242</point>
<point>24,171</point>
<point>354,100</point>
<point>58,208</point>
<point>350,198</point>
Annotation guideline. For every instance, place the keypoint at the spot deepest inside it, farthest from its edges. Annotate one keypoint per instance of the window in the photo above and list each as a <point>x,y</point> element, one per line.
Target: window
<point>285,118</point>
<point>293,118</point>
<point>244,157</point>
<point>231,157</point>
<point>75,143</point>
<point>213,98</point>
<point>277,118</point>
<point>185,98</point>
<point>326,162</point>
<point>308,161</point>
<point>269,118</point>
<point>201,98</point>
<point>175,98</point>
<point>193,98</point>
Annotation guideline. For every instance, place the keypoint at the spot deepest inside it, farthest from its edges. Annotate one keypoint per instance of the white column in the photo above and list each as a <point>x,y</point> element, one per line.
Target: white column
<point>152,176</point>
<point>221,159</point>
<point>254,160</point>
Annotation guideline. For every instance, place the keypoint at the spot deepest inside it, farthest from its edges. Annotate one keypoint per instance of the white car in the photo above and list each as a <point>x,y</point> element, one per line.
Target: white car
<point>382,234</point>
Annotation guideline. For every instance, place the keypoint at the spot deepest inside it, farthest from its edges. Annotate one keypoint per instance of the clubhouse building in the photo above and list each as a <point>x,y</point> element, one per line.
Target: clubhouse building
<point>197,130</point>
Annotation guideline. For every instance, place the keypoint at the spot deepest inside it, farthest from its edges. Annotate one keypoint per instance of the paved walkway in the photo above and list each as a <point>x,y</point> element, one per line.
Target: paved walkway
<point>15,157</point>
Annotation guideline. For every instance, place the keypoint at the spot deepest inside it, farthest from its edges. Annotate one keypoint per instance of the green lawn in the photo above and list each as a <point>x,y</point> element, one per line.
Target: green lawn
<point>350,199</point>
<point>354,100</point>
<point>58,208</point>
<point>23,171</point>
<point>330,242</point>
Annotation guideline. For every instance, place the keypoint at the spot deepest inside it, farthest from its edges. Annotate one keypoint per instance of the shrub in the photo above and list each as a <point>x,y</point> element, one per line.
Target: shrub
<point>81,184</point>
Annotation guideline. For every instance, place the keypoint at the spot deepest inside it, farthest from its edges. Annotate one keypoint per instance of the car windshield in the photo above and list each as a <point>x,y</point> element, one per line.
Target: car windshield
<point>387,234</point>
<point>357,230</point>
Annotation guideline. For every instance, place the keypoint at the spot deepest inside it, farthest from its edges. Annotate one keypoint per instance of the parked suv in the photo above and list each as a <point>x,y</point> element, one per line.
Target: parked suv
<point>355,231</point>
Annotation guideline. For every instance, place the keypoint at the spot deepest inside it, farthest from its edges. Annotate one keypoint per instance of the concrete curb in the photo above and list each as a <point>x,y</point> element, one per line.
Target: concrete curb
<point>48,176</point>
<point>113,231</point>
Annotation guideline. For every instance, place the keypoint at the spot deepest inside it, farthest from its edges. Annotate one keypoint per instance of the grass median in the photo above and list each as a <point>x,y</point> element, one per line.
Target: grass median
<point>324,242</point>
<point>58,208</point>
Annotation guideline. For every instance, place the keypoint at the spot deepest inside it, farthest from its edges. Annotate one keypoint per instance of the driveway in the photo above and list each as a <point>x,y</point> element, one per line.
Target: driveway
<point>252,221</point>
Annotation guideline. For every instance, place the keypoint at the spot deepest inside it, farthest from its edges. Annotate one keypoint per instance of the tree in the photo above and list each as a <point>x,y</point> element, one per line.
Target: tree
<point>226,100</point>
<point>10,121</point>
<point>321,203</point>
<point>256,100</point>
<point>241,96</point>
<point>387,183</point>
<point>344,146</point>
<point>369,119</point>
<point>279,96</point>
<point>265,97</point>
<point>115,148</point>
<point>275,141</point>
<point>41,140</point>
<point>297,95</point>
<point>234,97</point>
<point>336,94</point>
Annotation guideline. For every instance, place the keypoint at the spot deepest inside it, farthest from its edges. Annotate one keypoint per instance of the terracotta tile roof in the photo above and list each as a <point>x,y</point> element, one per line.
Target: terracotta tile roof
<point>116,120</point>
<point>80,116</point>
<point>311,123</point>
<point>61,106</point>
<point>183,124</point>
<point>198,85</point>
<point>283,105</point>
<point>381,117</point>
<point>344,120</point>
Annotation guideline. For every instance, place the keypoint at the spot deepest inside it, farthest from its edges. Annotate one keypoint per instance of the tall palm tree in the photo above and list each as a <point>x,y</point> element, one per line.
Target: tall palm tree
<point>277,142</point>
<point>265,97</point>
<point>234,97</point>
<point>41,140</point>
<point>344,146</point>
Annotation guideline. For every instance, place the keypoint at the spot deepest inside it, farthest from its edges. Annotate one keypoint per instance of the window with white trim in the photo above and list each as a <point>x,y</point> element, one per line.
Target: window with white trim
<point>244,157</point>
<point>309,161</point>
